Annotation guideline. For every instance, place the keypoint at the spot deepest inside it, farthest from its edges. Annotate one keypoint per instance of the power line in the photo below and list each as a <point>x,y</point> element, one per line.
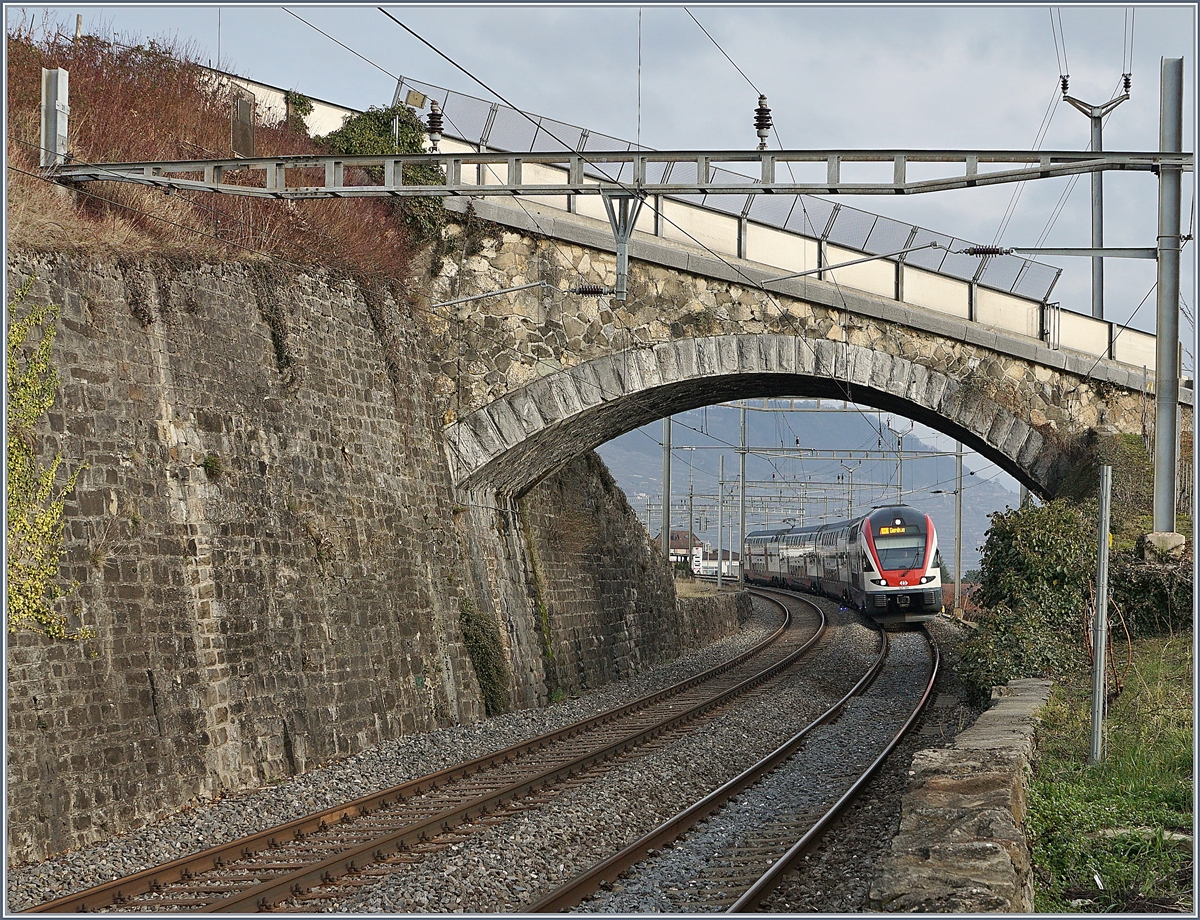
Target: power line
<point>722,50</point>
<point>347,47</point>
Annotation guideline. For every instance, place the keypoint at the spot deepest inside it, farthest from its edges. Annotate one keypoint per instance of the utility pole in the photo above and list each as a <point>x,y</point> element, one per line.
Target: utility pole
<point>850,494</point>
<point>1096,113</point>
<point>691,538</point>
<point>742,502</point>
<point>899,459</point>
<point>1166,375</point>
<point>1100,622</point>
<point>666,508</point>
<point>720,514</point>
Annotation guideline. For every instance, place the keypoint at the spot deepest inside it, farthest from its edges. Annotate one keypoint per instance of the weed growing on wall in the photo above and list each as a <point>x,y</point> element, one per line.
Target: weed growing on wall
<point>539,588</point>
<point>389,131</point>
<point>481,636</point>
<point>35,499</point>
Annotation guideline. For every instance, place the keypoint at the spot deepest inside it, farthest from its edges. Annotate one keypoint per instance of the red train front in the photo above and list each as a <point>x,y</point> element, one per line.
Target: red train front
<point>886,563</point>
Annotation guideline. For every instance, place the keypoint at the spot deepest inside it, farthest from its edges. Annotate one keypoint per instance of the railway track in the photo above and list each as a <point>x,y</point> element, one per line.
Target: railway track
<point>300,859</point>
<point>742,839</point>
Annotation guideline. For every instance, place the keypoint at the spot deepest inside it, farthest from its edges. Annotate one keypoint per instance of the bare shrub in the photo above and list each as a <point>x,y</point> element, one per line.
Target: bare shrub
<point>153,101</point>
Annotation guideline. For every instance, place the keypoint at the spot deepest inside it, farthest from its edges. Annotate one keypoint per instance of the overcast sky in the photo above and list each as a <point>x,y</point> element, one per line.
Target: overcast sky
<point>848,76</point>
<point>942,76</point>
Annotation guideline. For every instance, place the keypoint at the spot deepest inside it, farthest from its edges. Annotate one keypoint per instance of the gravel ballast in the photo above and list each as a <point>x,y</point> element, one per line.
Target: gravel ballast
<point>207,824</point>
<point>506,866</point>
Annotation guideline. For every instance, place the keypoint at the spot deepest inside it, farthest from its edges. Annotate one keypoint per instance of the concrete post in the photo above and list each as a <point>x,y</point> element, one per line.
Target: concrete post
<point>720,514</point>
<point>55,112</point>
<point>1166,382</point>
<point>1100,623</point>
<point>958,467</point>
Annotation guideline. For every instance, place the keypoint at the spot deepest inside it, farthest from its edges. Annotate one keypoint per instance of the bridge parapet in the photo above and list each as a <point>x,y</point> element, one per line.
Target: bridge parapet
<point>527,380</point>
<point>788,232</point>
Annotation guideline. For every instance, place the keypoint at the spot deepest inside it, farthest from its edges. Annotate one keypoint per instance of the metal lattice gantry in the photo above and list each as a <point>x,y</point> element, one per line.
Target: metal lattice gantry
<point>644,173</point>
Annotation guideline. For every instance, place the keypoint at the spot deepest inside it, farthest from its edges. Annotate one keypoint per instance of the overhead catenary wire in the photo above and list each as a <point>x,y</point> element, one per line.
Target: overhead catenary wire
<point>785,317</point>
<point>722,50</point>
<point>621,185</point>
<point>520,204</point>
<point>639,82</point>
<point>807,218</point>
<point>533,218</point>
<point>1039,139</point>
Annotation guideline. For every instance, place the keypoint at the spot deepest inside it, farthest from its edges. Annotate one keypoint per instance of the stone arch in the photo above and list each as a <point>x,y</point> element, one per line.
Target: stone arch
<point>519,438</point>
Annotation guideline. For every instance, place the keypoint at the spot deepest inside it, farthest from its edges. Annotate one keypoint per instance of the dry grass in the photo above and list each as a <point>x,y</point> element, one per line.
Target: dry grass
<point>155,102</point>
<point>690,587</point>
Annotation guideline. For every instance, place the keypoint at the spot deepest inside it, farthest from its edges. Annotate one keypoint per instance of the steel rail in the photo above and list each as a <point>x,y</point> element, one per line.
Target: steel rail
<point>753,896</point>
<point>574,891</point>
<point>185,868</point>
<point>265,895</point>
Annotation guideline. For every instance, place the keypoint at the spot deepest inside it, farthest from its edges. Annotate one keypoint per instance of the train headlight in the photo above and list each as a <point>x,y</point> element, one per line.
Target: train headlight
<point>882,582</point>
<point>926,579</point>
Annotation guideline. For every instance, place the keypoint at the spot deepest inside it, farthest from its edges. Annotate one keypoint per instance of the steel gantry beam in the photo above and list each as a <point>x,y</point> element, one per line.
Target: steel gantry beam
<point>642,172</point>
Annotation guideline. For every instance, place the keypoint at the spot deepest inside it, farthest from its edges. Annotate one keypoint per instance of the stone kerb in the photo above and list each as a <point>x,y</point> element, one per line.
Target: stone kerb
<point>516,440</point>
<point>961,846</point>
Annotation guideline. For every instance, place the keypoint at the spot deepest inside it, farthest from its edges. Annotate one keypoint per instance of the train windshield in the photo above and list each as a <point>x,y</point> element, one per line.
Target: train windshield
<point>900,552</point>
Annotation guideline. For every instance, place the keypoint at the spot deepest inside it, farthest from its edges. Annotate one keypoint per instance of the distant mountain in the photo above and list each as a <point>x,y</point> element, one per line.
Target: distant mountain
<point>801,487</point>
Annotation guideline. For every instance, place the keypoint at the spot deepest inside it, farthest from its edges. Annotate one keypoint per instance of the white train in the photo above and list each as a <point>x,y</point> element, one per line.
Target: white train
<point>886,563</point>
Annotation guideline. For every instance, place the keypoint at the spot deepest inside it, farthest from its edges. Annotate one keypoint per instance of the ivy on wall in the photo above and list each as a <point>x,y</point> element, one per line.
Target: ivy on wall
<point>481,636</point>
<point>391,131</point>
<point>35,500</point>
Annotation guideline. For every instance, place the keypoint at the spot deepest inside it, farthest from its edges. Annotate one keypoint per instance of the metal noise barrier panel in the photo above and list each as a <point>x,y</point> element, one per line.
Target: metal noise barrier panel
<point>496,127</point>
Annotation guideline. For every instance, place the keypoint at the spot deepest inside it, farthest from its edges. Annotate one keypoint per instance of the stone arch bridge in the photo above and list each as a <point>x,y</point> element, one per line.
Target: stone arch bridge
<point>530,379</point>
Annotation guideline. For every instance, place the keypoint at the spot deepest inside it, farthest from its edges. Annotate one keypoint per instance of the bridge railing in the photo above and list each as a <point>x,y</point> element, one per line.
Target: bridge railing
<point>794,233</point>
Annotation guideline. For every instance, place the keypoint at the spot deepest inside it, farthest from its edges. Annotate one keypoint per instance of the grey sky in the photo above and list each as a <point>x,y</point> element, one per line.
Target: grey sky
<point>967,76</point>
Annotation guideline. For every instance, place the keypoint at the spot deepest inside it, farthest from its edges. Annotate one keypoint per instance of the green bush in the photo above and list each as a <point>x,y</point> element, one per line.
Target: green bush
<point>1032,641</point>
<point>1155,598</point>
<point>391,131</point>
<point>1038,553</point>
<point>481,636</point>
<point>1036,572</point>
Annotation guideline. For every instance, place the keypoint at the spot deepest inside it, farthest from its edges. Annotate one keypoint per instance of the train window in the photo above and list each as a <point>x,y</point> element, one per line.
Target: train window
<point>900,552</point>
<point>867,567</point>
<point>937,559</point>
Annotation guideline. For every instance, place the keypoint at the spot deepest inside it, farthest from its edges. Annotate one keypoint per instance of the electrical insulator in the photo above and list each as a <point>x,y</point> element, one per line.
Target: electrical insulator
<point>986,251</point>
<point>435,125</point>
<point>762,122</point>
<point>1064,83</point>
<point>1128,79</point>
<point>591,290</point>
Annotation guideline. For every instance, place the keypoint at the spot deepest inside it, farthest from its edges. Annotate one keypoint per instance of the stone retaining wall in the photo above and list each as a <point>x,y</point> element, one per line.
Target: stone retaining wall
<point>270,549</point>
<point>961,847</point>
